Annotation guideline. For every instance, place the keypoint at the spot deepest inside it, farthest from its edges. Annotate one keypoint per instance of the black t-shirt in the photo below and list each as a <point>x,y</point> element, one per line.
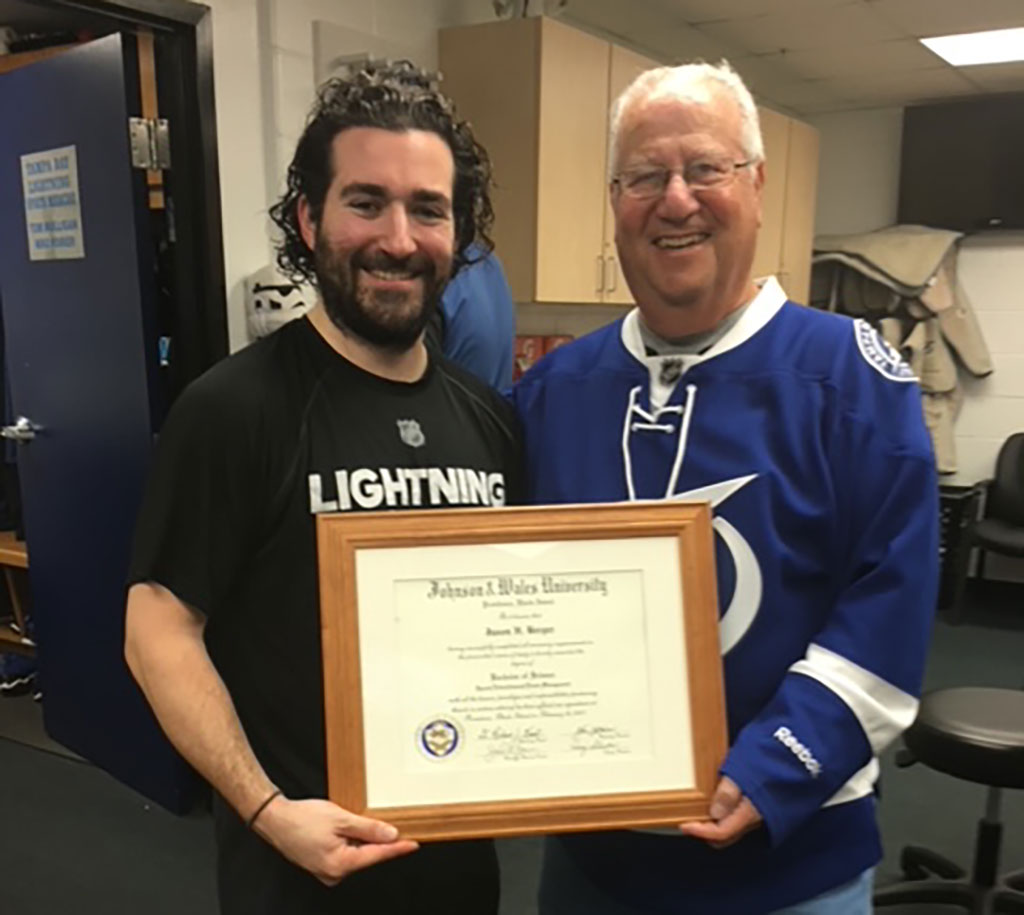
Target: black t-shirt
<point>249,454</point>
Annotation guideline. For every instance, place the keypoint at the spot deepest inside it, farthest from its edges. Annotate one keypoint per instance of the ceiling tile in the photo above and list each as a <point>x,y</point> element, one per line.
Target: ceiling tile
<point>997,77</point>
<point>839,54</point>
<point>888,56</point>
<point>833,105</point>
<point>831,27</point>
<point>634,26</point>
<point>925,18</point>
<point>800,96</point>
<point>649,29</point>
<point>680,44</point>
<point>720,10</point>
<point>881,88</point>
<point>763,69</point>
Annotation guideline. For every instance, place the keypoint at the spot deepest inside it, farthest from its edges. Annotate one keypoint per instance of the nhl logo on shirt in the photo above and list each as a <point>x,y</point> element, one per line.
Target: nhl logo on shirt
<point>438,738</point>
<point>671,369</point>
<point>411,433</point>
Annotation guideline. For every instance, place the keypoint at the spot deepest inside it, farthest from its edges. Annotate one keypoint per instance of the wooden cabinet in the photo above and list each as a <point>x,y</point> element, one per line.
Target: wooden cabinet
<point>791,180</point>
<point>573,118</point>
<point>538,94</point>
<point>624,67</point>
<point>798,218</point>
<point>775,135</point>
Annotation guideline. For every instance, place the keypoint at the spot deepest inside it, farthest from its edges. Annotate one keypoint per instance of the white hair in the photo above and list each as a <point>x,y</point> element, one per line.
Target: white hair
<point>695,83</point>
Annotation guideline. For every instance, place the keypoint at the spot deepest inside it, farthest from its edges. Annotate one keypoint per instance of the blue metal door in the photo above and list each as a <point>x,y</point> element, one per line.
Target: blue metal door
<point>76,284</point>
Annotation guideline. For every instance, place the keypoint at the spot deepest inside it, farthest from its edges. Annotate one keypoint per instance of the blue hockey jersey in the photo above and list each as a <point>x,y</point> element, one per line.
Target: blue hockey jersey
<point>805,432</point>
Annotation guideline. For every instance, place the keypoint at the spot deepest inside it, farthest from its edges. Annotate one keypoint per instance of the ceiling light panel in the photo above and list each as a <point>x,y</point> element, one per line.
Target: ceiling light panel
<point>998,47</point>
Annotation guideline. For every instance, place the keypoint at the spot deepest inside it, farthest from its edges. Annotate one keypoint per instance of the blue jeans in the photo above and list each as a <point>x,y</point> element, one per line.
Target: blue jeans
<point>564,890</point>
<point>853,898</point>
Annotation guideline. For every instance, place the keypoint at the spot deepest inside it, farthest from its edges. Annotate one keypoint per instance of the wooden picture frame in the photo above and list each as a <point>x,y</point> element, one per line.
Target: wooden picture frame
<point>525,768</point>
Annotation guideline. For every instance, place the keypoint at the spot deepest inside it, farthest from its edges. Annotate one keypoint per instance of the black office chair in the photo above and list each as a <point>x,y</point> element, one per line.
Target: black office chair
<point>977,735</point>
<point>1001,528</point>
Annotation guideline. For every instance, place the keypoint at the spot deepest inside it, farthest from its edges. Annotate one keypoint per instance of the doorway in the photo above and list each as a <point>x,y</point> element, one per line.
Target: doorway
<point>178,329</point>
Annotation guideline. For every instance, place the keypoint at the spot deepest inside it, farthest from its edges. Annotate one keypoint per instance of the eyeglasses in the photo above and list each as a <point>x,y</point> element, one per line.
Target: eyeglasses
<point>650,181</point>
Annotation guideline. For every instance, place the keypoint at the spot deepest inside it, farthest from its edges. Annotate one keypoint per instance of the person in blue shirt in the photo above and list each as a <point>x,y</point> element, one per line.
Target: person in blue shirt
<point>804,431</point>
<point>475,326</point>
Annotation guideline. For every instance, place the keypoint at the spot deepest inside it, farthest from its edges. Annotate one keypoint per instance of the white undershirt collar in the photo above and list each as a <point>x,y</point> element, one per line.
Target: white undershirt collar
<point>761,310</point>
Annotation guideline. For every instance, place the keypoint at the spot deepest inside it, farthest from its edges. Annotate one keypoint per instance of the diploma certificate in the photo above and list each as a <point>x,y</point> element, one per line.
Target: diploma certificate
<point>521,670</point>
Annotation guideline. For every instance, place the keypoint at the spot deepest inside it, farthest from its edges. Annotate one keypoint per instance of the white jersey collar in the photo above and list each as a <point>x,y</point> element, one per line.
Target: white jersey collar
<point>765,306</point>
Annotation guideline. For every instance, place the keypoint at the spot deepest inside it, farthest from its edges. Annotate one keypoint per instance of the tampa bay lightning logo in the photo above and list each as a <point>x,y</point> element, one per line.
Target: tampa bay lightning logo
<point>879,354</point>
<point>746,599</point>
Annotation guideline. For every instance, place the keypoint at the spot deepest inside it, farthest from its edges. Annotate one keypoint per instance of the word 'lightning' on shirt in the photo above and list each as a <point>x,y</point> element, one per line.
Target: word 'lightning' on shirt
<point>406,487</point>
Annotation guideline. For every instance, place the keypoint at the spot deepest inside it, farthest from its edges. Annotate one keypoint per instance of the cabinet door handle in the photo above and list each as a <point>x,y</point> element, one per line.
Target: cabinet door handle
<point>612,278</point>
<point>600,273</point>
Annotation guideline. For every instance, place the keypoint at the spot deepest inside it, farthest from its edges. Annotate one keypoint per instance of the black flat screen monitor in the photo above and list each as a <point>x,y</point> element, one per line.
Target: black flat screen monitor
<point>963,164</point>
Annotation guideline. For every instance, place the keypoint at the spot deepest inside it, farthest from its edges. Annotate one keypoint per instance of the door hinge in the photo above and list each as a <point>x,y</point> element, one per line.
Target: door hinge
<point>151,142</point>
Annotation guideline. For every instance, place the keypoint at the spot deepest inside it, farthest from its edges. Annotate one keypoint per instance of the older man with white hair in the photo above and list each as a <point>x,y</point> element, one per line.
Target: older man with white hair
<point>804,431</point>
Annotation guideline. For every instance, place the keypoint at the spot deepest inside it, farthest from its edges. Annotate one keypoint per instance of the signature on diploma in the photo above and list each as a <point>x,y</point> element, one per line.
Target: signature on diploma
<point>513,744</point>
<point>599,740</point>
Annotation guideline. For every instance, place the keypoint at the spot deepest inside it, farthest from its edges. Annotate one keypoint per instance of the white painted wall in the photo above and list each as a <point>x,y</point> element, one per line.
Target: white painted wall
<point>992,272</point>
<point>858,188</point>
<point>243,181</point>
<point>859,162</point>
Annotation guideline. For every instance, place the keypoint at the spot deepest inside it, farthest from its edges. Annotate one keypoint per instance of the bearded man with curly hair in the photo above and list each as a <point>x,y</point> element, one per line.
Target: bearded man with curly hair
<point>342,410</point>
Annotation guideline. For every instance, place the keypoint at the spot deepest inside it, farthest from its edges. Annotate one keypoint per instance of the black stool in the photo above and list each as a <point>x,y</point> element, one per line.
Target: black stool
<point>977,735</point>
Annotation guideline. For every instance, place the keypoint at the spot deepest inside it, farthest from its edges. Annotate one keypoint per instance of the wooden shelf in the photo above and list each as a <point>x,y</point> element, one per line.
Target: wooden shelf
<point>11,641</point>
<point>14,555</point>
<point>13,552</point>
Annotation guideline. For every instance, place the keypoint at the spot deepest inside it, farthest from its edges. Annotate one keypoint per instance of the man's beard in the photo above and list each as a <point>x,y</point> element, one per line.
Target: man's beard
<point>386,319</point>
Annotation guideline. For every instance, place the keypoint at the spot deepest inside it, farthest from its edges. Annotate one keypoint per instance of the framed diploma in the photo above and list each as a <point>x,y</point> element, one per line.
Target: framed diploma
<point>495,672</point>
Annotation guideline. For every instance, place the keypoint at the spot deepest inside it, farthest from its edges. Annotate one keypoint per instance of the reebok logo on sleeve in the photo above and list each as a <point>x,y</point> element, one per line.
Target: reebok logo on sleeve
<point>785,736</point>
